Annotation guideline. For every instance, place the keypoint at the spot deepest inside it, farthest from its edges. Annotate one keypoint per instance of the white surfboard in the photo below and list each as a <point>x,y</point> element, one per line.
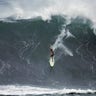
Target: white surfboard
<point>51,61</point>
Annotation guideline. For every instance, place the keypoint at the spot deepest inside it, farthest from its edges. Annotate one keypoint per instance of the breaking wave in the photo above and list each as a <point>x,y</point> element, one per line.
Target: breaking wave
<point>28,90</point>
<point>26,9</point>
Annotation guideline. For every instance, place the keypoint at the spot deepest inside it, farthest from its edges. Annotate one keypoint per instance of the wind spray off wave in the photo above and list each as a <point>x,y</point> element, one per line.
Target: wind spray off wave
<point>25,9</point>
<point>59,43</point>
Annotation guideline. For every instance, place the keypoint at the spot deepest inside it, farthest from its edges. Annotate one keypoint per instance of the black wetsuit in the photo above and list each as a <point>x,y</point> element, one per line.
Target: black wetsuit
<point>52,52</point>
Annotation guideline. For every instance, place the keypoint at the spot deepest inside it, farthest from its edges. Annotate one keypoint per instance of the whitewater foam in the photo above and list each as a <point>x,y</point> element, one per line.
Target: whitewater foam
<point>24,90</point>
<point>59,41</point>
<point>33,8</point>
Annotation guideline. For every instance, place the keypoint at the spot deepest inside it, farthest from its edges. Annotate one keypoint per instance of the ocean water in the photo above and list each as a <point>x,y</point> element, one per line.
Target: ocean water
<point>28,28</point>
<point>41,91</point>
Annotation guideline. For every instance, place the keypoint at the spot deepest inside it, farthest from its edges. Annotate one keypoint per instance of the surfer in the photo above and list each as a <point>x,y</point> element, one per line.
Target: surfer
<point>51,53</point>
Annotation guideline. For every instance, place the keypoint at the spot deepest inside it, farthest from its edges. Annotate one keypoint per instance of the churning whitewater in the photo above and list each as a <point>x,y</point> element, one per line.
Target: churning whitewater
<point>27,90</point>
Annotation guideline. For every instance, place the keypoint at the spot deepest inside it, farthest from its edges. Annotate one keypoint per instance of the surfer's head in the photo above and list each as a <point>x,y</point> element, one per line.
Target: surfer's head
<point>51,49</point>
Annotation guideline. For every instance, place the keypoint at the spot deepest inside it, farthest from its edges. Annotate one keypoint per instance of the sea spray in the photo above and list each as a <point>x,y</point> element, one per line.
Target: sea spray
<point>27,9</point>
<point>59,41</point>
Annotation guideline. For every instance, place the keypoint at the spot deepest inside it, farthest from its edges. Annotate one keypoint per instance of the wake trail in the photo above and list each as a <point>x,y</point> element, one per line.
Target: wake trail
<point>59,43</point>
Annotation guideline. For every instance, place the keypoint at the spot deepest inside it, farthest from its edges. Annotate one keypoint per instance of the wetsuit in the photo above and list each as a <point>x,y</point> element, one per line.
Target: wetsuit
<point>51,53</point>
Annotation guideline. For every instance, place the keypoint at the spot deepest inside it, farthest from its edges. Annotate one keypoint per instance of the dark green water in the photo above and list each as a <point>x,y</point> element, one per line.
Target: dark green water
<point>24,54</point>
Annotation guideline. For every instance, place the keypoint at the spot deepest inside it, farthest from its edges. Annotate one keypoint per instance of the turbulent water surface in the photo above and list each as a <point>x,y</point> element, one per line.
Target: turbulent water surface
<point>27,29</point>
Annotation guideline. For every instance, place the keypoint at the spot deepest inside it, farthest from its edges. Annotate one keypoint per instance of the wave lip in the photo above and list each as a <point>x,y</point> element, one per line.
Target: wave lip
<point>25,90</point>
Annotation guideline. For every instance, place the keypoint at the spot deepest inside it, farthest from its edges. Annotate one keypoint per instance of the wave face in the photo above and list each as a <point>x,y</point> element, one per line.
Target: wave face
<point>24,52</point>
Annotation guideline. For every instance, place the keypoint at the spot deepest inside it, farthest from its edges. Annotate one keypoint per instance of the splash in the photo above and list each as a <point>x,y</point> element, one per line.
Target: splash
<point>25,90</point>
<point>59,41</point>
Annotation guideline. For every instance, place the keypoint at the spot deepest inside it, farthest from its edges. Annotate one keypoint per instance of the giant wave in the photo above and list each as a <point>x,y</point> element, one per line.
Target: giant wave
<point>26,32</point>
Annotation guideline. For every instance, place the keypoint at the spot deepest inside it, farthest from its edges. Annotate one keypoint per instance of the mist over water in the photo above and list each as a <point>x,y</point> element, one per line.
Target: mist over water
<point>25,9</point>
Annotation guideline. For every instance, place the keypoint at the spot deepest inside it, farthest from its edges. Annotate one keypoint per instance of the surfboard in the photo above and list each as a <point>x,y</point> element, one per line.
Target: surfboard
<point>52,61</point>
